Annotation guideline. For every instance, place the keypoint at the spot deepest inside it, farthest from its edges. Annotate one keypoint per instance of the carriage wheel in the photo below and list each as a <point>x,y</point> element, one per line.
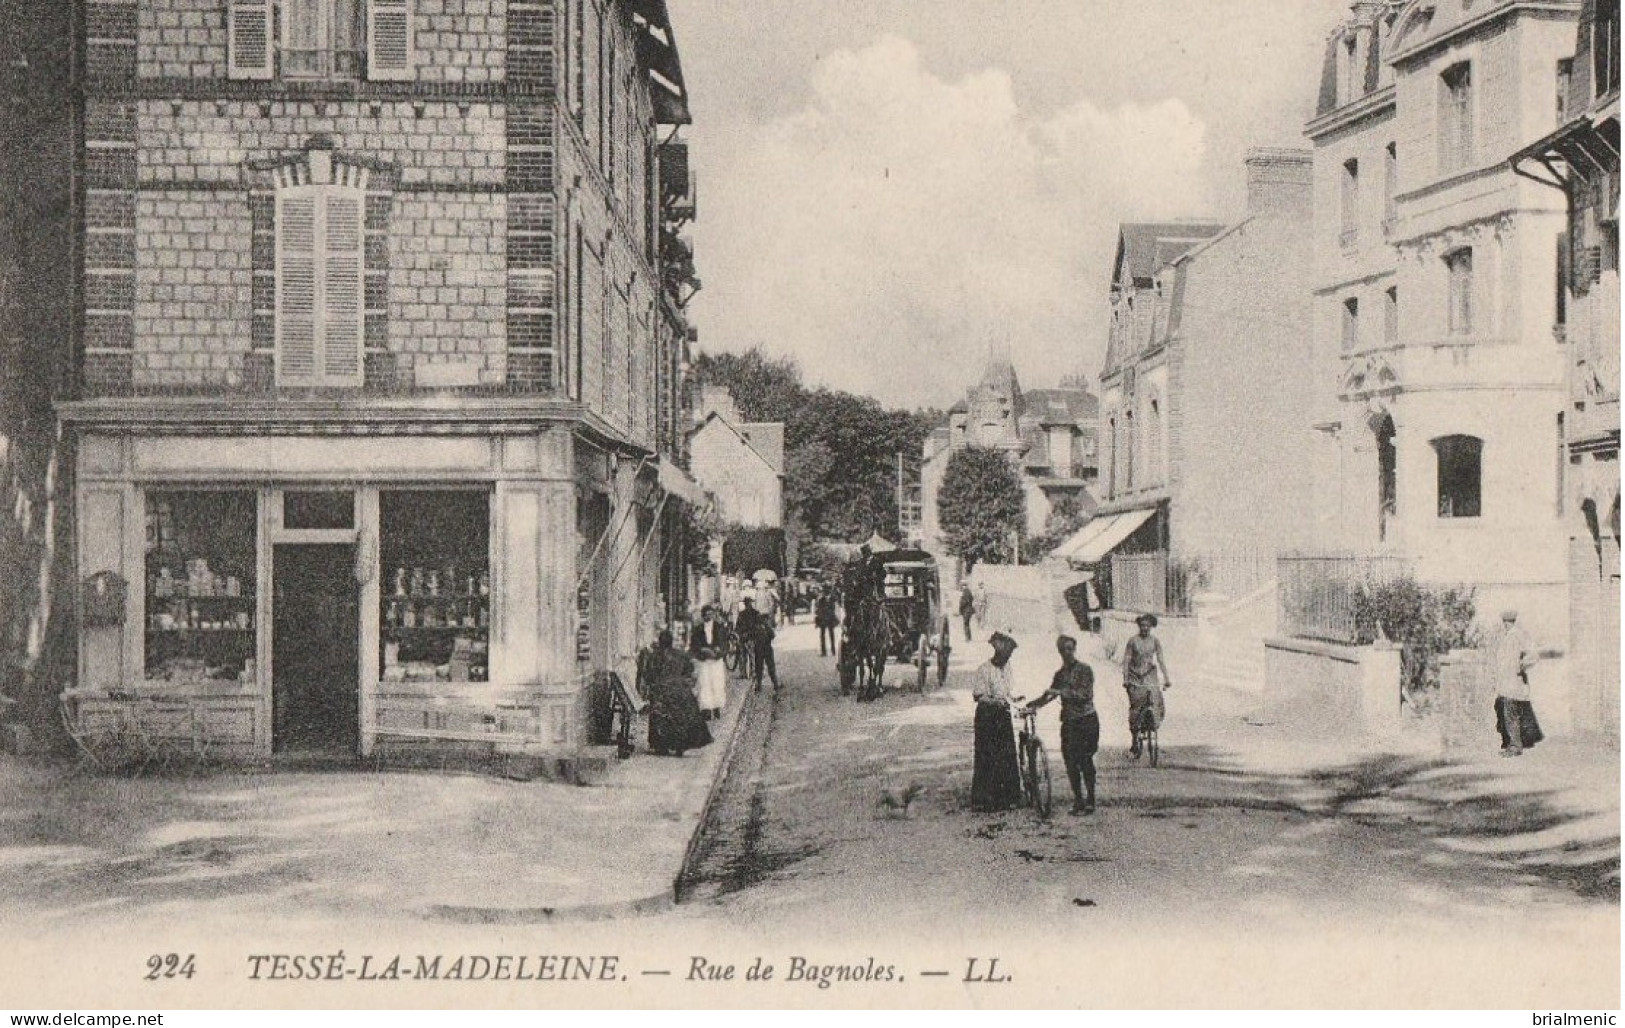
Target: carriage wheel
<point>944,645</point>
<point>922,663</point>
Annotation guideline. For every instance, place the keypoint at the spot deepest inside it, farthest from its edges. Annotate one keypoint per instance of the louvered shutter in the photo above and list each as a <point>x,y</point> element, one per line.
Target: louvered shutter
<point>248,39</point>
<point>342,294</point>
<point>296,286</point>
<point>389,39</point>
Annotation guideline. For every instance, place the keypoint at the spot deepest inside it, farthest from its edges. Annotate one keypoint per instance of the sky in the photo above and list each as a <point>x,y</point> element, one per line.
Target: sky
<point>889,189</point>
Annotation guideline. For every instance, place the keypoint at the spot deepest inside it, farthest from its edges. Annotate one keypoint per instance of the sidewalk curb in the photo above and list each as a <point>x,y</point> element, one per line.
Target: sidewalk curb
<point>746,710</point>
<point>654,903</point>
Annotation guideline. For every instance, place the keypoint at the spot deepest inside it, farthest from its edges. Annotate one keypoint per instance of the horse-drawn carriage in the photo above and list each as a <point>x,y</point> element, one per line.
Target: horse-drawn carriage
<point>893,603</point>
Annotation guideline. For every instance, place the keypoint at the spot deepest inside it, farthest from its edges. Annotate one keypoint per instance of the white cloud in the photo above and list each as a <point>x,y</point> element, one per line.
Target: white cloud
<point>895,226</point>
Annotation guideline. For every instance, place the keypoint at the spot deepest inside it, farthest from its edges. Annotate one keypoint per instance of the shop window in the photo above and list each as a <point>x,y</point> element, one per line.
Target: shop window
<point>1456,118</point>
<point>1351,324</point>
<point>319,295</point>
<point>1459,267</point>
<point>200,588</point>
<point>320,39</point>
<point>318,510</point>
<point>1461,475</point>
<point>435,587</point>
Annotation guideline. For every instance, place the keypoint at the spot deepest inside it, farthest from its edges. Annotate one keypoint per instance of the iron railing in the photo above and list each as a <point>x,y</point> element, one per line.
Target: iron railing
<point>1317,591</point>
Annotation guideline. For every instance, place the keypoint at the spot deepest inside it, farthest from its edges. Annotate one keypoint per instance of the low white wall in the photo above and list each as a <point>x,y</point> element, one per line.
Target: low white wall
<point>1323,689</point>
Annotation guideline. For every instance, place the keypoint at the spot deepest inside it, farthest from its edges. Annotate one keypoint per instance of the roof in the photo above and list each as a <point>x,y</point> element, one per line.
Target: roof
<point>1060,406</point>
<point>767,439</point>
<point>1144,247</point>
<point>767,445</point>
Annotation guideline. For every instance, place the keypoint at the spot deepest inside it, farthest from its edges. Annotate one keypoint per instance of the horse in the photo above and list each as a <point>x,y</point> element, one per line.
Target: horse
<point>873,639</point>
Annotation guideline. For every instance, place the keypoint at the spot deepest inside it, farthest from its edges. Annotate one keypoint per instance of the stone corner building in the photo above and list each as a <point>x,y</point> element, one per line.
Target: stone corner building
<point>380,431</point>
<point>1581,157</point>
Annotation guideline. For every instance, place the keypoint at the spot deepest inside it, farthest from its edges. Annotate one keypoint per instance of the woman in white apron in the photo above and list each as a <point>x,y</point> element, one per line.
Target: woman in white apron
<point>709,645</point>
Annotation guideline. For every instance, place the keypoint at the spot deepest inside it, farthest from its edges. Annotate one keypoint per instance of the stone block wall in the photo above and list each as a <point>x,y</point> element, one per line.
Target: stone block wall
<point>470,208</point>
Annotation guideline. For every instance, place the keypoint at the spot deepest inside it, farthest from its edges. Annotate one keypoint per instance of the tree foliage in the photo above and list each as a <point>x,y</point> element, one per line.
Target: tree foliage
<point>840,449</point>
<point>980,505</point>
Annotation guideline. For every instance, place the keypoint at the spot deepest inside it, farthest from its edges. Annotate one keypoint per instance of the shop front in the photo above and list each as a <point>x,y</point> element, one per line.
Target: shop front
<point>268,586</point>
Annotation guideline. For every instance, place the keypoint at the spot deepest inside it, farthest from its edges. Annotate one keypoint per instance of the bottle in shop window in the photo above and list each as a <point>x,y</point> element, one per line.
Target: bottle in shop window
<point>433,580</point>
<point>409,616</point>
<point>485,583</point>
<point>417,582</point>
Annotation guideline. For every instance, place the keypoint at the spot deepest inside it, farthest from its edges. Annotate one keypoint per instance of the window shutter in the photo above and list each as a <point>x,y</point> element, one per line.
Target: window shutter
<point>296,287</point>
<point>248,39</point>
<point>389,39</point>
<point>342,298</point>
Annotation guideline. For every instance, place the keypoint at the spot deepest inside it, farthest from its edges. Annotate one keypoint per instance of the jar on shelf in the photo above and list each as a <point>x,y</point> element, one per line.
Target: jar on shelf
<point>417,582</point>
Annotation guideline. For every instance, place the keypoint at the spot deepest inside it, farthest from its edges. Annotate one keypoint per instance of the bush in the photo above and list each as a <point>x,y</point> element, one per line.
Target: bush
<point>1425,622</point>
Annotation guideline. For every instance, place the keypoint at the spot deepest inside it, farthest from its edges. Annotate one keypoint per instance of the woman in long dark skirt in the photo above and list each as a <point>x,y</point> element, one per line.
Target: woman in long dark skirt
<point>675,722</point>
<point>996,782</point>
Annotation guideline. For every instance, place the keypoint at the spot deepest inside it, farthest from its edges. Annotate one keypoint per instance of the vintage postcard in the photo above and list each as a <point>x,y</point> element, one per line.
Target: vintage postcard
<point>519,504</point>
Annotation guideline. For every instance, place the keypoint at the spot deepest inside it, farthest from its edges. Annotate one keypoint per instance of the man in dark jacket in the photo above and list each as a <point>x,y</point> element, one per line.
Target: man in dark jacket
<point>756,631</point>
<point>825,617</point>
<point>1074,686</point>
<point>967,607</point>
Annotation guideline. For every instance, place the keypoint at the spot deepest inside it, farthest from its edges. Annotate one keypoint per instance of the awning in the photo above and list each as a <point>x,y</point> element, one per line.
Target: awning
<point>1102,535</point>
<point>681,484</point>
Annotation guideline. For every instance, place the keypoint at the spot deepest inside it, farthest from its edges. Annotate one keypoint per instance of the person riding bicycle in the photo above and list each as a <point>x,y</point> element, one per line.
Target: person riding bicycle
<point>1074,685</point>
<point>1145,676</point>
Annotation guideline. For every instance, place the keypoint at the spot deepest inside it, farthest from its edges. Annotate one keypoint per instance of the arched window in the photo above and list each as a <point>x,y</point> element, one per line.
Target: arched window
<point>1461,475</point>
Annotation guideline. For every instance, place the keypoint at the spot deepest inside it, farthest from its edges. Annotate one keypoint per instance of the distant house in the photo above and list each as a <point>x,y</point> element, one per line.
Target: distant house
<point>740,462</point>
<point>1049,434</point>
<point>1207,384</point>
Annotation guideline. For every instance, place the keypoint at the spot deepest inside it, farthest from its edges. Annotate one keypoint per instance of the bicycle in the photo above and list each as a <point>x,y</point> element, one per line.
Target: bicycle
<point>1145,736</point>
<point>1035,779</point>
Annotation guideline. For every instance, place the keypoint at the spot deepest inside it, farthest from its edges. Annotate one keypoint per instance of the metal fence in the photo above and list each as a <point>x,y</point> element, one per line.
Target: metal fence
<point>1317,591</point>
<point>1140,582</point>
<point>1158,583</point>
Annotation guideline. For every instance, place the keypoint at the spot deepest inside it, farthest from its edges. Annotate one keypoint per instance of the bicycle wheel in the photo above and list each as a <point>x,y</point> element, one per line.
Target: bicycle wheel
<point>1151,748</point>
<point>1039,774</point>
<point>732,656</point>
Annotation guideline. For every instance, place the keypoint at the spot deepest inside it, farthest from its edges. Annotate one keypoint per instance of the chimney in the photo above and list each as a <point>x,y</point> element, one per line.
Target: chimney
<point>1280,182</point>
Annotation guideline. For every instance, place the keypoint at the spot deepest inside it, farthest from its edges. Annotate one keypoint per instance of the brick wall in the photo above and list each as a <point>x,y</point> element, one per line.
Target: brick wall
<point>455,40</point>
<point>193,302</point>
<point>468,230</point>
<point>447,277</point>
